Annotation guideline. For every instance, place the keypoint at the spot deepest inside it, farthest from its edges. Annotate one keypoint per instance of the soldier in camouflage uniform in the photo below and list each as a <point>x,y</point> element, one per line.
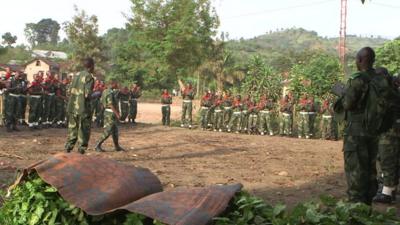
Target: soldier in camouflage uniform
<point>245,113</point>
<point>16,87</point>
<point>97,108</point>
<point>206,103</point>
<point>360,145</point>
<point>188,95</point>
<point>389,145</point>
<point>210,114</point>
<point>123,101</point>
<point>61,99</point>
<point>228,102</point>
<point>135,93</point>
<point>306,109</point>
<point>265,107</point>
<point>253,118</point>
<point>235,121</point>
<point>327,120</point>
<point>111,116</point>
<point>218,113</point>
<point>36,92</point>
<point>166,101</point>
<point>79,108</point>
<point>286,110</point>
<point>50,85</point>
<point>23,101</point>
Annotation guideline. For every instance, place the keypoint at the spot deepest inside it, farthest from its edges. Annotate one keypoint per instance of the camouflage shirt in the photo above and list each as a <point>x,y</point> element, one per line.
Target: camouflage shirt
<point>80,91</point>
<point>109,99</point>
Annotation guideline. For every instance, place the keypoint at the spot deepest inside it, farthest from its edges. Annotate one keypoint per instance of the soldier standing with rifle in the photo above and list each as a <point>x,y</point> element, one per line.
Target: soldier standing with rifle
<point>79,109</point>
<point>111,117</point>
<point>187,106</point>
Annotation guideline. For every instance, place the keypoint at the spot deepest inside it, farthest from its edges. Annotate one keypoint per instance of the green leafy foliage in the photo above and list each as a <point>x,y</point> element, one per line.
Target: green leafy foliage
<point>249,210</point>
<point>43,32</point>
<point>316,75</point>
<point>9,39</point>
<point>389,56</point>
<point>261,79</point>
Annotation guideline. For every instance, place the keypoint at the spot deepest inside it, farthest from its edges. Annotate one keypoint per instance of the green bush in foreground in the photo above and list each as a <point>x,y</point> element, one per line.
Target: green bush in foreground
<point>34,202</point>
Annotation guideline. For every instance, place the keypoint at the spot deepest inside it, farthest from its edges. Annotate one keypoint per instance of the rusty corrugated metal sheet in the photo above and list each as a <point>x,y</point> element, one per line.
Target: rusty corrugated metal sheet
<point>99,186</point>
<point>94,184</point>
<point>186,206</point>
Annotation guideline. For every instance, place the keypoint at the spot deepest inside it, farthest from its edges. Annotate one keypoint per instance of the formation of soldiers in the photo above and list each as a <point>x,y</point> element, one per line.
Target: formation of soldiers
<point>42,102</point>
<point>224,113</point>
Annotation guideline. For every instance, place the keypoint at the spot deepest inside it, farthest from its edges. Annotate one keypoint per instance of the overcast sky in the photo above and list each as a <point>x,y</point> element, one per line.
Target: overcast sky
<point>240,18</point>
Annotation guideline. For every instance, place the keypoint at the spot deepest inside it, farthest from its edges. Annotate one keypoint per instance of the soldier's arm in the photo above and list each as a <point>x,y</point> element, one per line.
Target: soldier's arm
<point>353,93</point>
<point>89,85</point>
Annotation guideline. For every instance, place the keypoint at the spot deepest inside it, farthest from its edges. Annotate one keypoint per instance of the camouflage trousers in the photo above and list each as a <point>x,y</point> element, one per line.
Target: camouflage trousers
<point>132,109</point>
<point>60,111</point>
<point>166,115</point>
<point>235,121</point>
<point>78,131</point>
<point>97,111</point>
<point>11,109</point>
<point>21,110</point>
<point>49,110</point>
<point>35,108</point>
<point>253,122</point>
<point>204,115</point>
<point>227,116</point>
<point>327,127</point>
<point>218,119</point>
<point>124,109</point>
<point>303,124</point>
<point>389,153</point>
<point>360,167</point>
<point>187,108</point>
<point>286,124</point>
<point>110,127</point>
<point>245,121</point>
<point>266,122</point>
<point>210,117</point>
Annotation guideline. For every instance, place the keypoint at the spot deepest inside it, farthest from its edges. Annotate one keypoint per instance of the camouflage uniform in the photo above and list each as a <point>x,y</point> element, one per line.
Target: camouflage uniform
<point>109,99</point>
<point>123,101</point>
<point>206,103</point>
<point>360,146</point>
<point>253,118</point>
<point>306,118</point>
<point>12,101</point>
<point>245,114</point>
<point>187,106</point>
<point>79,111</point>
<point>266,107</point>
<point>22,103</point>
<point>218,114</point>
<point>97,108</point>
<point>286,123</point>
<point>133,104</point>
<point>166,101</point>
<point>235,121</point>
<point>61,95</point>
<point>49,102</point>
<point>389,155</point>
<point>36,92</point>
<point>327,121</point>
<point>227,110</point>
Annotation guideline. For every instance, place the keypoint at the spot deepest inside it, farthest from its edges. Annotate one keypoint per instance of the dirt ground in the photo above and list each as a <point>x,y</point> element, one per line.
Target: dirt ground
<point>278,169</point>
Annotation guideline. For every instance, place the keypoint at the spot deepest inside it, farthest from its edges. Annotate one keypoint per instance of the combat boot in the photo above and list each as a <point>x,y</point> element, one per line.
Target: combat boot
<point>14,128</point>
<point>382,198</point>
<point>117,147</point>
<point>98,147</point>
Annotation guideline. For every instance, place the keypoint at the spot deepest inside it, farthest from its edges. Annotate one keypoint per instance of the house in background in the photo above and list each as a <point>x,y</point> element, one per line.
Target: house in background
<point>40,65</point>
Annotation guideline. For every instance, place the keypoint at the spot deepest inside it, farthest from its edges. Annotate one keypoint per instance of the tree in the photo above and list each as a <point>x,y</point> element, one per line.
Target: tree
<point>168,38</point>
<point>389,56</point>
<point>315,76</point>
<point>43,32</point>
<point>9,39</point>
<point>261,79</point>
<point>82,33</point>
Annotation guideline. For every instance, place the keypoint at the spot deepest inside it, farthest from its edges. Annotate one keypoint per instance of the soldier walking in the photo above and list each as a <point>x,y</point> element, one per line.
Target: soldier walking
<point>135,94</point>
<point>187,106</point>
<point>111,116</point>
<point>166,101</point>
<point>79,109</point>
